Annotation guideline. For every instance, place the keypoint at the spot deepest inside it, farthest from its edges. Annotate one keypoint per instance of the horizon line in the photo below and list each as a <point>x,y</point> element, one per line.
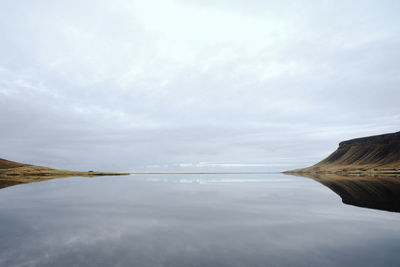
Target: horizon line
<point>175,172</point>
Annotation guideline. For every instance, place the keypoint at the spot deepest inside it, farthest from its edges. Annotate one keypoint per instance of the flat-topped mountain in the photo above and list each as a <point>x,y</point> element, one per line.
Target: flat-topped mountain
<point>373,153</point>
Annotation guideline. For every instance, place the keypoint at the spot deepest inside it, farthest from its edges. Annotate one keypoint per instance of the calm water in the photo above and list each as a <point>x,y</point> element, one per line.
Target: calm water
<point>191,220</point>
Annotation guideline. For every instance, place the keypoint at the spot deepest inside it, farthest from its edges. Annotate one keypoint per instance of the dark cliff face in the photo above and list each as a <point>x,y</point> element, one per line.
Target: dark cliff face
<point>368,153</point>
<point>376,139</point>
<point>379,149</point>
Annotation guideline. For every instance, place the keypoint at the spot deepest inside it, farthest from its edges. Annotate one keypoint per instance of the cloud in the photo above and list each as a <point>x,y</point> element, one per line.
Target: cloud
<point>161,82</point>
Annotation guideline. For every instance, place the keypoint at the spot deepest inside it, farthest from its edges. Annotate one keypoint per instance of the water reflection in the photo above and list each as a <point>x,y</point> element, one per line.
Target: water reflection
<point>11,180</point>
<point>5,182</point>
<point>198,220</point>
<point>376,192</point>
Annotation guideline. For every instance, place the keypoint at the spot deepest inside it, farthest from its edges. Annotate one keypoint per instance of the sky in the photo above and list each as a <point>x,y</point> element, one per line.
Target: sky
<point>194,85</point>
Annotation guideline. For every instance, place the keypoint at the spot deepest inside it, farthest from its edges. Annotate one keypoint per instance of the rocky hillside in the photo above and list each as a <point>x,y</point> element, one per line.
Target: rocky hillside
<point>374,153</point>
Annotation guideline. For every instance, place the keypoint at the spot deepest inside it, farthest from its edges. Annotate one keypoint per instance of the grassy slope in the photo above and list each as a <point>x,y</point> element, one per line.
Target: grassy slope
<point>379,153</point>
<point>12,173</point>
<point>6,164</point>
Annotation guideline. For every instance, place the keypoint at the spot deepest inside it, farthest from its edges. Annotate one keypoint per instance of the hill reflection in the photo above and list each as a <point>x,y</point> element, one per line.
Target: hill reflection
<point>380,192</point>
<point>11,180</point>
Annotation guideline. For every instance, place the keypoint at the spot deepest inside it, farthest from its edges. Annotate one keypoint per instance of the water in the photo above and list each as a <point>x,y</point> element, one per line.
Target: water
<point>191,220</point>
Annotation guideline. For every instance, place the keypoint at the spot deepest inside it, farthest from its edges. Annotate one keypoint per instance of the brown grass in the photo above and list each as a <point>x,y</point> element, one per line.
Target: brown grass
<point>12,173</point>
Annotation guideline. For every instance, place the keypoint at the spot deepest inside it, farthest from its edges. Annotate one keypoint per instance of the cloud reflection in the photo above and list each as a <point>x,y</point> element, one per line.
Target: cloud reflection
<point>129,221</point>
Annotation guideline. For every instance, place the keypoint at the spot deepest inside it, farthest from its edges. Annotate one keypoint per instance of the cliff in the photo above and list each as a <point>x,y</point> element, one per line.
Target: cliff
<point>380,153</point>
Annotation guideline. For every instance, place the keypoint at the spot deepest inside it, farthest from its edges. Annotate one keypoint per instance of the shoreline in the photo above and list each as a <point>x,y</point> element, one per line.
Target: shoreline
<point>347,173</point>
<point>30,174</point>
<point>204,172</point>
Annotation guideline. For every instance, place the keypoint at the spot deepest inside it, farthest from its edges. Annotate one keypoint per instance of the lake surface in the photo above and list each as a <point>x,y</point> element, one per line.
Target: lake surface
<point>191,220</point>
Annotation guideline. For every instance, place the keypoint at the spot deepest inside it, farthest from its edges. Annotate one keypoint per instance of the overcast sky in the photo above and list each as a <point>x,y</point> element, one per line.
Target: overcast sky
<point>198,85</point>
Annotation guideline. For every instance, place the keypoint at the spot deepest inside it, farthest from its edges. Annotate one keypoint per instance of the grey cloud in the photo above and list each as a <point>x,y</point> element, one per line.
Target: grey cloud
<point>86,85</point>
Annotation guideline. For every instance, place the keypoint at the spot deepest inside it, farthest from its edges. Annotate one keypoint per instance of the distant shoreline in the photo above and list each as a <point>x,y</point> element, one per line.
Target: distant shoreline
<point>204,172</point>
<point>13,173</point>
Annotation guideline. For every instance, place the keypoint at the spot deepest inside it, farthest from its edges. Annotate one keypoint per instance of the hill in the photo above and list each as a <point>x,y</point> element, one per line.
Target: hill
<point>6,164</point>
<point>12,173</point>
<point>379,153</point>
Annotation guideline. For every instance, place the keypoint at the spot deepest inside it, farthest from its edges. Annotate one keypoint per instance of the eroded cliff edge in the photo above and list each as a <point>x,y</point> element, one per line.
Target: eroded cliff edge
<point>379,153</point>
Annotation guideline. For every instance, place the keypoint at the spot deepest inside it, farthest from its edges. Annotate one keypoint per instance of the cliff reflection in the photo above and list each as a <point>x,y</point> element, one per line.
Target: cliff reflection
<point>375,192</point>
